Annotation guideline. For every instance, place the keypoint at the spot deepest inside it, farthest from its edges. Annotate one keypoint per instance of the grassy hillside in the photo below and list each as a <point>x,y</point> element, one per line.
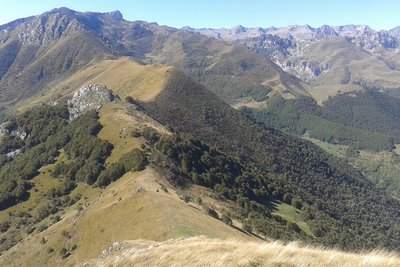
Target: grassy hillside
<point>308,173</point>
<point>233,73</point>
<point>282,168</point>
<point>332,65</point>
<point>41,231</point>
<point>380,167</point>
<point>47,66</point>
<point>352,65</point>
<point>66,42</point>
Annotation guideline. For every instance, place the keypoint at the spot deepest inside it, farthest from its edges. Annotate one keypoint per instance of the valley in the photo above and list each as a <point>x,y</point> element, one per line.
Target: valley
<point>268,146</point>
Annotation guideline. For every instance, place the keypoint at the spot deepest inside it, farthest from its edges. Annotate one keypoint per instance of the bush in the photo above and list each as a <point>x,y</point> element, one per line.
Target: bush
<point>226,219</point>
<point>199,201</point>
<point>66,234</point>
<point>211,212</point>
<point>130,99</point>
<point>186,198</point>
<point>247,226</point>
<point>64,253</point>
<point>136,134</point>
<point>134,160</point>
<point>291,226</point>
<point>4,227</point>
<point>30,230</point>
<point>56,219</point>
<point>151,135</point>
<point>317,231</point>
<point>41,228</point>
<point>297,203</point>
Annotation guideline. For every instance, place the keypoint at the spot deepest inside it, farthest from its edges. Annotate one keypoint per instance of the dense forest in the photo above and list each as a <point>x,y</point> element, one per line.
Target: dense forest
<point>348,209</point>
<point>339,205</point>
<point>371,120</point>
<point>48,130</point>
<point>244,162</point>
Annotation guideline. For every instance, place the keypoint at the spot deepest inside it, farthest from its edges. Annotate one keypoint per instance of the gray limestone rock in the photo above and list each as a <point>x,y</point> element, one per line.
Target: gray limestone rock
<point>89,97</point>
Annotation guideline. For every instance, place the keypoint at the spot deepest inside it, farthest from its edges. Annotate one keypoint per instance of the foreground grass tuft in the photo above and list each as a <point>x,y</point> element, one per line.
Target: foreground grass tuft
<point>202,251</point>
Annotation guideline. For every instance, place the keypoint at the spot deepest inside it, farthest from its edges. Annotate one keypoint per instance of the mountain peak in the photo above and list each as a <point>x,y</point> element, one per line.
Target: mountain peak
<point>62,11</point>
<point>326,30</point>
<point>117,15</point>
<point>238,29</point>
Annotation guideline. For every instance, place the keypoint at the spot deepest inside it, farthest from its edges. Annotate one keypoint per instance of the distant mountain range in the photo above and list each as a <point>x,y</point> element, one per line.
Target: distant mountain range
<point>344,57</point>
<point>299,32</point>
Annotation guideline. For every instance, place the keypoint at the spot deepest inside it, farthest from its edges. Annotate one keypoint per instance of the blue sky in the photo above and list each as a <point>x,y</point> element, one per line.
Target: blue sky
<point>383,14</point>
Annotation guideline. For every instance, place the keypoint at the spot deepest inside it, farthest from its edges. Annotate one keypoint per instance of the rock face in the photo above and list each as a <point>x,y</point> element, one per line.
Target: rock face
<point>14,131</point>
<point>289,47</point>
<point>89,97</point>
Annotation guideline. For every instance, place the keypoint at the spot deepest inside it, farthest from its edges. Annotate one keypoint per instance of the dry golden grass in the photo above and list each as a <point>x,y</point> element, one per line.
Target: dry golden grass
<point>117,129</point>
<point>129,78</point>
<point>124,76</point>
<point>119,121</point>
<point>322,93</point>
<point>278,87</point>
<point>249,103</point>
<point>118,212</point>
<point>202,251</point>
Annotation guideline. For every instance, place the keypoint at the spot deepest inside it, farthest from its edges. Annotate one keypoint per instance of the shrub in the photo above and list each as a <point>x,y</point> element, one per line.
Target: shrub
<point>226,219</point>
<point>134,160</point>
<point>317,231</point>
<point>297,203</point>
<point>64,253</point>
<point>55,219</point>
<point>130,99</point>
<point>291,226</point>
<point>4,227</point>
<point>199,201</point>
<point>247,226</point>
<point>66,234</point>
<point>41,228</point>
<point>30,230</point>
<point>136,134</point>
<point>211,212</point>
<point>186,198</point>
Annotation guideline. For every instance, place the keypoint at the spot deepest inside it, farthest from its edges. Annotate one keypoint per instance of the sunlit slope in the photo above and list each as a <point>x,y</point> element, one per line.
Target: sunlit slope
<point>140,205</point>
<point>124,76</point>
<point>201,251</point>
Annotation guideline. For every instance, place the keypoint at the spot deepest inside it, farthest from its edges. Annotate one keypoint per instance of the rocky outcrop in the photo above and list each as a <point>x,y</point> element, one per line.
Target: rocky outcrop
<point>17,131</point>
<point>286,46</point>
<point>89,97</point>
<point>305,70</point>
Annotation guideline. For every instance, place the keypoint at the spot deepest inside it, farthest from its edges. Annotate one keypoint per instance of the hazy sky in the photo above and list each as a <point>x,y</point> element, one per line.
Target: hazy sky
<point>379,14</point>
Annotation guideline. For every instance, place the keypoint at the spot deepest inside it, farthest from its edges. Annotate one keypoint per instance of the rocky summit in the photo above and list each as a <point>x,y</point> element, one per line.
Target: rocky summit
<point>89,97</point>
